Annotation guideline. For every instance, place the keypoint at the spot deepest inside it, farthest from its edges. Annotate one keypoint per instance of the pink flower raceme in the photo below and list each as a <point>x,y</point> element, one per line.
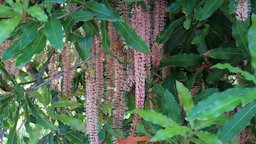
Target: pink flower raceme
<point>158,26</point>
<point>242,10</point>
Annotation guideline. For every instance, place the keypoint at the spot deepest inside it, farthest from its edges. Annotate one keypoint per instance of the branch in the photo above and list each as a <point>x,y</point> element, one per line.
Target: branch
<point>61,74</point>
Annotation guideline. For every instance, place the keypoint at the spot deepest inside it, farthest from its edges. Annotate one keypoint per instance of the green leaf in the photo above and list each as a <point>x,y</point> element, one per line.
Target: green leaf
<point>201,124</point>
<point>36,47</point>
<point>38,13</point>
<point>220,102</point>
<point>84,47</point>
<point>46,124</point>
<point>237,123</point>
<point>7,27</point>
<point>17,6</point>
<point>72,122</point>
<point>239,32</point>
<point>232,69</point>
<point>169,132</point>
<point>28,35</point>
<point>8,75</point>
<point>252,42</point>
<point>207,137</point>
<point>35,136</point>
<point>102,11</point>
<point>13,51</point>
<point>39,119</point>
<point>131,37</point>
<point>215,75</point>
<point>66,103</point>
<point>12,136</point>
<point>54,1</point>
<point>174,7</point>
<point>207,10</point>
<point>82,15</point>
<point>199,39</point>
<point>54,33</point>
<point>188,6</point>
<point>6,12</point>
<point>155,118</point>
<point>181,60</point>
<point>232,6</point>
<point>171,107</point>
<point>225,53</point>
<point>105,37</point>
<point>204,94</point>
<point>75,137</point>
<point>166,33</point>
<point>185,97</point>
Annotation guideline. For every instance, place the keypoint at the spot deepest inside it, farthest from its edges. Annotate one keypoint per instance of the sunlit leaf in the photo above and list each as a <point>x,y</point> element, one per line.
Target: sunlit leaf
<point>102,11</point>
<point>54,33</point>
<point>38,13</point>
<point>185,97</point>
<point>7,27</point>
<point>237,123</point>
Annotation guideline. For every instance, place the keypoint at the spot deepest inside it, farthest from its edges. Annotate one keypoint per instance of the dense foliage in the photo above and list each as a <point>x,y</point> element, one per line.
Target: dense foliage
<point>127,71</point>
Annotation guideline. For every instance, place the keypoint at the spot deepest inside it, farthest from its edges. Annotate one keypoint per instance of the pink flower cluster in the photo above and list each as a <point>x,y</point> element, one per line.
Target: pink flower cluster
<point>242,10</point>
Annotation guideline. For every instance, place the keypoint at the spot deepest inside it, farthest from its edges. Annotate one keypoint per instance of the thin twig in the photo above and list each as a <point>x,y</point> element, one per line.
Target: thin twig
<point>61,74</point>
<point>72,11</point>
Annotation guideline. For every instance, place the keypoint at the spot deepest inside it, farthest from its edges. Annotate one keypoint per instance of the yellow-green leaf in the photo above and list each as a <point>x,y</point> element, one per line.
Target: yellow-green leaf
<point>7,26</point>
<point>38,13</point>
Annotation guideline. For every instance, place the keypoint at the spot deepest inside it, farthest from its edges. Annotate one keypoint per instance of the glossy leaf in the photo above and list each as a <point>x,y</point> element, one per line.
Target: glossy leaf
<point>219,103</point>
<point>131,37</point>
<point>12,136</point>
<point>17,7</point>
<point>72,122</point>
<point>66,103</point>
<point>28,35</point>
<point>38,13</point>
<point>35,136</point>
<point>232,69</point>
<point>39,119</point>
<point>171,107</point>
<point>84,47</point>
<point>204,94</point>
<point>6,12</point>
<point>105,37</point>
<point>225,53</point>
<point>201,124</point>
<point>252,42</point>
<point>155,118</point>
<point>169,132</point>
<point>54,1</point>
<point>102,11</point>
<point>181,60</point>
<point>185,97</point>
<point>36,47</point>
<point>207,137</point>
<point>8,75</point>
<point>239,32</point>
<point>46,124</point>
<point>8,26</point>
<point>208,9</point>
<point>166,33</point>
<point>82,15</point>
<point>188,6</point>
<point>237,123</point>
<point>54,33</point>
<point>199,39</point>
